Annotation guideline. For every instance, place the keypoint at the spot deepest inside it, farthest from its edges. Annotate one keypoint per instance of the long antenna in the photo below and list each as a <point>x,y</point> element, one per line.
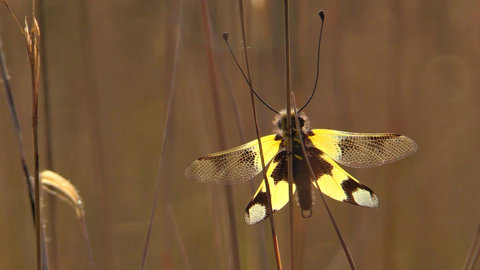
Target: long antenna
<point>225,37</point>
<point>322,16</point>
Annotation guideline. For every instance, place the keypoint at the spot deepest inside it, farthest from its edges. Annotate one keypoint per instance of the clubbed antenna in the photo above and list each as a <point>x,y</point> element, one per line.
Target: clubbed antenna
<point>321,14</point>
<point>225,37</point>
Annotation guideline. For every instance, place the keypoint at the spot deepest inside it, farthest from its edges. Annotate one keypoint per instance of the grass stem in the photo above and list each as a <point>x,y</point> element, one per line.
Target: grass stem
<point>289,134</point>
<point>168,120</point>
<point>312,175</point>
<point>16,125</point>
<point>52,203</point>
<point>178,237</point>
<point>219,127</point>
<point>252,100</point>
<point>474,251</point>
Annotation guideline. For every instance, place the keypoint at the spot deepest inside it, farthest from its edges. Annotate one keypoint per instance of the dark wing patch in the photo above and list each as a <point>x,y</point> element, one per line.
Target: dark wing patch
<point>256,210</point>
<point>356,192</point>
<point>336,183</point>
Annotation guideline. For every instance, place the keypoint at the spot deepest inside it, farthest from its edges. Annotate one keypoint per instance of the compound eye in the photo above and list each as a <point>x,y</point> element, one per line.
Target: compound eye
<point>279,124</point>
<point>301,122</point>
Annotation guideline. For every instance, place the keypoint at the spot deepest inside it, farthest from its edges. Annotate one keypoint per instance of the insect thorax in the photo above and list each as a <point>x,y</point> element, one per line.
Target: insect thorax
<point>280,126</point>
<point>301,176</point>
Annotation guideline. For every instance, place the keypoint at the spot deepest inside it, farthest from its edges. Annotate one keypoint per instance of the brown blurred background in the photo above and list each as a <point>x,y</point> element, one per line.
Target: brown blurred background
<point>409,67</point>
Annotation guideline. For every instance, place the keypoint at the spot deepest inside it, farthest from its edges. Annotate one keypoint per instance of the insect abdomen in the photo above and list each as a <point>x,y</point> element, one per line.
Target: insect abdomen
<point>304,185</point>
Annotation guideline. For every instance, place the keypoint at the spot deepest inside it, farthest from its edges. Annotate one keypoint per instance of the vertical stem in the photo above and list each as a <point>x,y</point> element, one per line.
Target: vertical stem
<point>83,228</point>
<point>219,126</point>
<point>241,133</point>
<point>474,251</point>
<point>89,26</point>
<point>16,124</point>
<point>252,100</point>
<point>38,222</point>
<point>52,202</point>
<point>313,178</point>
<point>289,134</point>
<point>169,114</point>
<point>18,131</point>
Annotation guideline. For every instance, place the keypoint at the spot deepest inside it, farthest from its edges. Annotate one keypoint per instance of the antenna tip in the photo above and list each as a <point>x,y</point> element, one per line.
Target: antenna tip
<point>321,14</point>
<point>225,36</point>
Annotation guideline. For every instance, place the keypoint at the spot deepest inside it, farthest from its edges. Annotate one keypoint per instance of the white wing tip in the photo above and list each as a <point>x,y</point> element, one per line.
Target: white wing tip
<point>365,198</point>
<point>255,213</point>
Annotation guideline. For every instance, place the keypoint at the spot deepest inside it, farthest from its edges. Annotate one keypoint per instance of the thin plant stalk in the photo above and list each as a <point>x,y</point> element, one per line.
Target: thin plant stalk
<point>289,135</point>
<point>18,131</point>
<point>474,251</point>
<point>16,125</point>
<point>312,175</point>
<point>219,127</point>
<point>241,133</point>
<point>83,228</point>
<point>252,100</point>
<point>32,38</point>
<point>88,27</point>
<point>35,86</point>
<point>52,203</point>
<point>168,120</point>
<point>178,237</point>
<point>60,188</point>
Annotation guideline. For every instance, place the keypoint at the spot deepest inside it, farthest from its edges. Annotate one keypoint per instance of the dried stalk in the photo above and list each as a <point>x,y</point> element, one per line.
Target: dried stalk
<point>252,100</point>
<point>32,38</point>
<point>169,115</point>
<point>312,175</point>
<point>474,251</point>
<point>18,131</point>
<point>219,127</point>
<point>16,125</point>
<point>178,237</point>
<point>289,134</point>
<point>52,215</point>
<point>62,189</point>
<point>241,133</point>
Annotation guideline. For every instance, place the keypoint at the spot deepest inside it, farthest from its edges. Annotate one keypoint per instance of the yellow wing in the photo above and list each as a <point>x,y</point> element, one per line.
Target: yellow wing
<point>362,150</point>
<point>337,183</point>
<point>234,165</point>
<point>277,179</point>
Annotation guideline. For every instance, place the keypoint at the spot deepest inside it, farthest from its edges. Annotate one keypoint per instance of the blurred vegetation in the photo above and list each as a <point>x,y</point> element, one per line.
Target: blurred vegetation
<point>409,67</point>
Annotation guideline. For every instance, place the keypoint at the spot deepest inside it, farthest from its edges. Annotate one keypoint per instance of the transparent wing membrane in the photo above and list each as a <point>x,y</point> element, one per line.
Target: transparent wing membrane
<point>234,165</point>
<point>362,150</point>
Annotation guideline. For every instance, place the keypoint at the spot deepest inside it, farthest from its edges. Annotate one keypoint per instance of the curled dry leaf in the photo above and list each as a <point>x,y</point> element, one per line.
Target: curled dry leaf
<point>62,188</point>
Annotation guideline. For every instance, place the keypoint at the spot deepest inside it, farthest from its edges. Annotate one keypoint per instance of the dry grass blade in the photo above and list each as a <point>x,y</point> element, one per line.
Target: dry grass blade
<point>62,189</point>
<point>32,38</point>
<point>16,124</point>
<point>257,132</point>
<point>178,237</point>
<point>168,120</point>
<point>51,201</point>
<point>288,91</point>
<point>212,71</point>
<point>241,133</point>
<point>312,175</point>
<point>474,251</point>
